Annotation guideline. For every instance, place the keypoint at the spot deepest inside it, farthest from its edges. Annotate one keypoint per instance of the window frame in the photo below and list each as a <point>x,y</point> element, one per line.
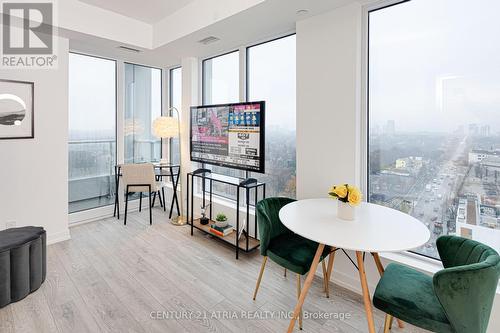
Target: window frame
<point>407,256</point>
<point>161,96</point>
<point>116,121</point>
<point>170,95</point>
<point>246,79</point>
<point>247,48</point>
<point>203,95</point>
<point>243,77</point>
<point>203,78</point>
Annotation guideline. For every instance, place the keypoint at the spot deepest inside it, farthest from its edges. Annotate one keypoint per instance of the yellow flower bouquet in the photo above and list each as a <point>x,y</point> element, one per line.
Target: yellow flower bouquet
<point>348,197</point>
<point>346,193</point>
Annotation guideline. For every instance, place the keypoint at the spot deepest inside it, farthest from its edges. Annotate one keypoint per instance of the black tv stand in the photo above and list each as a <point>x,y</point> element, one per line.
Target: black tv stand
<point>247,243</point>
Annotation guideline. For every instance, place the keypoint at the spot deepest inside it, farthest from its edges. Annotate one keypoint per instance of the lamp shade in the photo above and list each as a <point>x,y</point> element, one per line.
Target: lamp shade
<point>166,127</point>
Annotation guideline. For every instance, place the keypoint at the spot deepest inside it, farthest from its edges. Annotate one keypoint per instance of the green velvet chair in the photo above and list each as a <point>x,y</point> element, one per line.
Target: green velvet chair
<point>287,249</point>
<point>457,299</point>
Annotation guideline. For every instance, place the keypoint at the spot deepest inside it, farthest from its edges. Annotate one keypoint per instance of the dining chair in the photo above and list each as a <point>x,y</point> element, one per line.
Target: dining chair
<point>456,299</point>
<point>287,249</point>
<point>139,178</point>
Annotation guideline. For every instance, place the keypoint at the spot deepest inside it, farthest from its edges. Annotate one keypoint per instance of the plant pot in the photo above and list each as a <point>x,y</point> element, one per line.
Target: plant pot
<point>345,211</point>
<point>221,224</point>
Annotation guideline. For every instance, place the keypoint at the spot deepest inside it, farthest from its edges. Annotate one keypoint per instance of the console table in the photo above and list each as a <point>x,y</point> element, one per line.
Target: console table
<point>247,243</point>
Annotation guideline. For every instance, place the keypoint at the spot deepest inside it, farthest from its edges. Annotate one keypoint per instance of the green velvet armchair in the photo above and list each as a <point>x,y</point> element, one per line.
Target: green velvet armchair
<point>457,299</point>
<point>285,248</point>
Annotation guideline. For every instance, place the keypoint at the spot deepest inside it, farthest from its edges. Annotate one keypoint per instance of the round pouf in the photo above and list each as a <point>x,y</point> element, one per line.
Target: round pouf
<point>22,262</point>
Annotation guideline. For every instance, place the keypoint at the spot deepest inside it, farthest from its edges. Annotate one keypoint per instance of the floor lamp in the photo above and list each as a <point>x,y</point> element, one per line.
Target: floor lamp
<point>168,128</point>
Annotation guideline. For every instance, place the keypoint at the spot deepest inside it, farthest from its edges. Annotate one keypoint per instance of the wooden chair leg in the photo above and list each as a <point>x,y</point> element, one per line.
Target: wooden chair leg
<point>388,323</point>
<point>140,202</point>
<point>325,277</point>
<point>307,285</point>
<point>331,258</point>
<point>298,296</point>
<point>264,260</point>
<point>366,293</point>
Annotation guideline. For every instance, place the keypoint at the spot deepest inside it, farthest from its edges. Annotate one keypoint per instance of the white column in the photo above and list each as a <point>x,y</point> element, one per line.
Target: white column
<point>120,121</point>
<point>120,111</point>
<point>165,105</point>
<point>328,100</point>
<point>190,97</point>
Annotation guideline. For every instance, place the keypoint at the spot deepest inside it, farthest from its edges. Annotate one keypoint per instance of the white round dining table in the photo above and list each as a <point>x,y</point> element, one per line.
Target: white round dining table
<point>375,229</point>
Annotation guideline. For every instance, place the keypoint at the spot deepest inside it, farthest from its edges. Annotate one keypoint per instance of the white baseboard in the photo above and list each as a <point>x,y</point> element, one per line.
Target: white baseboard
<point>58,237</point>
<point>99,213</point>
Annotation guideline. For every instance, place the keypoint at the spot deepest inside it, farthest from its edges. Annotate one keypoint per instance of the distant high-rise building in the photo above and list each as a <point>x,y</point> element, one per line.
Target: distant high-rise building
<point>375,130</point>
<point>390,127</point>
<point>473,129</point>
<point>485,130</point>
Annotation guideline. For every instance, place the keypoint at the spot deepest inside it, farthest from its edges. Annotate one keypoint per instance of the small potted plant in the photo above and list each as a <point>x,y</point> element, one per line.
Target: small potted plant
<point>348,197</point>
<point>221,220</point>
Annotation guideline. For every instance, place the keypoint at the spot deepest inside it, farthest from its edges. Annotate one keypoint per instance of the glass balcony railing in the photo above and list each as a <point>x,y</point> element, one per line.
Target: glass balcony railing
<point>91,174</point>
<point>91,169</point>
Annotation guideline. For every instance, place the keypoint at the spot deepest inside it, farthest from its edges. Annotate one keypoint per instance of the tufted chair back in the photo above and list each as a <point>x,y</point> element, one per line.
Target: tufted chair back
<point>467,286</point>
<point>269,222</point>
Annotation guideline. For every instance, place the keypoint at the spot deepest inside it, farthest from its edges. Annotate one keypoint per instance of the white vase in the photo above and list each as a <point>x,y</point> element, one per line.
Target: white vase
<point>346,211</point>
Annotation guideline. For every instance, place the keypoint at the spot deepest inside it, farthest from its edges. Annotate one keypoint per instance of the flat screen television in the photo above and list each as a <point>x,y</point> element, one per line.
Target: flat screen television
<point>229,135</point>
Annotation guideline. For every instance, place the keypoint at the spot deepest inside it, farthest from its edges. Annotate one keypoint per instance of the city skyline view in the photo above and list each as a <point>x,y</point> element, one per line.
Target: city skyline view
<point>435,66</point>
<point>434,130</point>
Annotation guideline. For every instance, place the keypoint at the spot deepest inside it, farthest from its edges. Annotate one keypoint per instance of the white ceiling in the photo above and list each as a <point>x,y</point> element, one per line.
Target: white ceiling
<point>267,20</point>
<point>148,11</point>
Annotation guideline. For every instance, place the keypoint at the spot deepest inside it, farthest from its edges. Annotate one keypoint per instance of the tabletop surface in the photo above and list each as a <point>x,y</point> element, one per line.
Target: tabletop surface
<point>375,229</point>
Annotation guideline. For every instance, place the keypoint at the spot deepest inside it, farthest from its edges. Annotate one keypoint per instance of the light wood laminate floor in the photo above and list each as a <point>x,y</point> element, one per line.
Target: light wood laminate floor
<point>141,278</point>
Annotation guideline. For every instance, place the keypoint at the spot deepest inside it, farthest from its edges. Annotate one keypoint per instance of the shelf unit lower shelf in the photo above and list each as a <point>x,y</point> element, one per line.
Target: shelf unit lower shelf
<point>229,239</point>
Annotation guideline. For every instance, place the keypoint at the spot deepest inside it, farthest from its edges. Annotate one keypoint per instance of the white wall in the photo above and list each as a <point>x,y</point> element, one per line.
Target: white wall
<point>34,172</point>
<point>328,66</point>
<point>328,112</point>
<point>329,53</point>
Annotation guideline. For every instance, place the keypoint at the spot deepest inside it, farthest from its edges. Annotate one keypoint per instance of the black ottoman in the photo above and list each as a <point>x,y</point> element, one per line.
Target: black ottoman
<point>22,262</point>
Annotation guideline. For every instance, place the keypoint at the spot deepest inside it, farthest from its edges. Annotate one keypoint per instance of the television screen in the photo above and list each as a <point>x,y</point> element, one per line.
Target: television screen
<point>229,135</point>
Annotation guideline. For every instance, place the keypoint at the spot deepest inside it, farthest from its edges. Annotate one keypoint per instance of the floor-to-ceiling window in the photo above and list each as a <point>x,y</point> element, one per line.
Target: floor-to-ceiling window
<point>92,131</point>
<point>221,84</point>
<point>271,78</point>
<point>434,115</point>
<point>143,104</point>
<point>221,79</point>
<point>175,100</point>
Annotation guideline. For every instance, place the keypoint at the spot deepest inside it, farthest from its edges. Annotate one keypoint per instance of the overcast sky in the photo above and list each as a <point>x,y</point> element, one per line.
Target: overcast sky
<point>92,99</point>
<point>271,77</point>
<point>435,64</point>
